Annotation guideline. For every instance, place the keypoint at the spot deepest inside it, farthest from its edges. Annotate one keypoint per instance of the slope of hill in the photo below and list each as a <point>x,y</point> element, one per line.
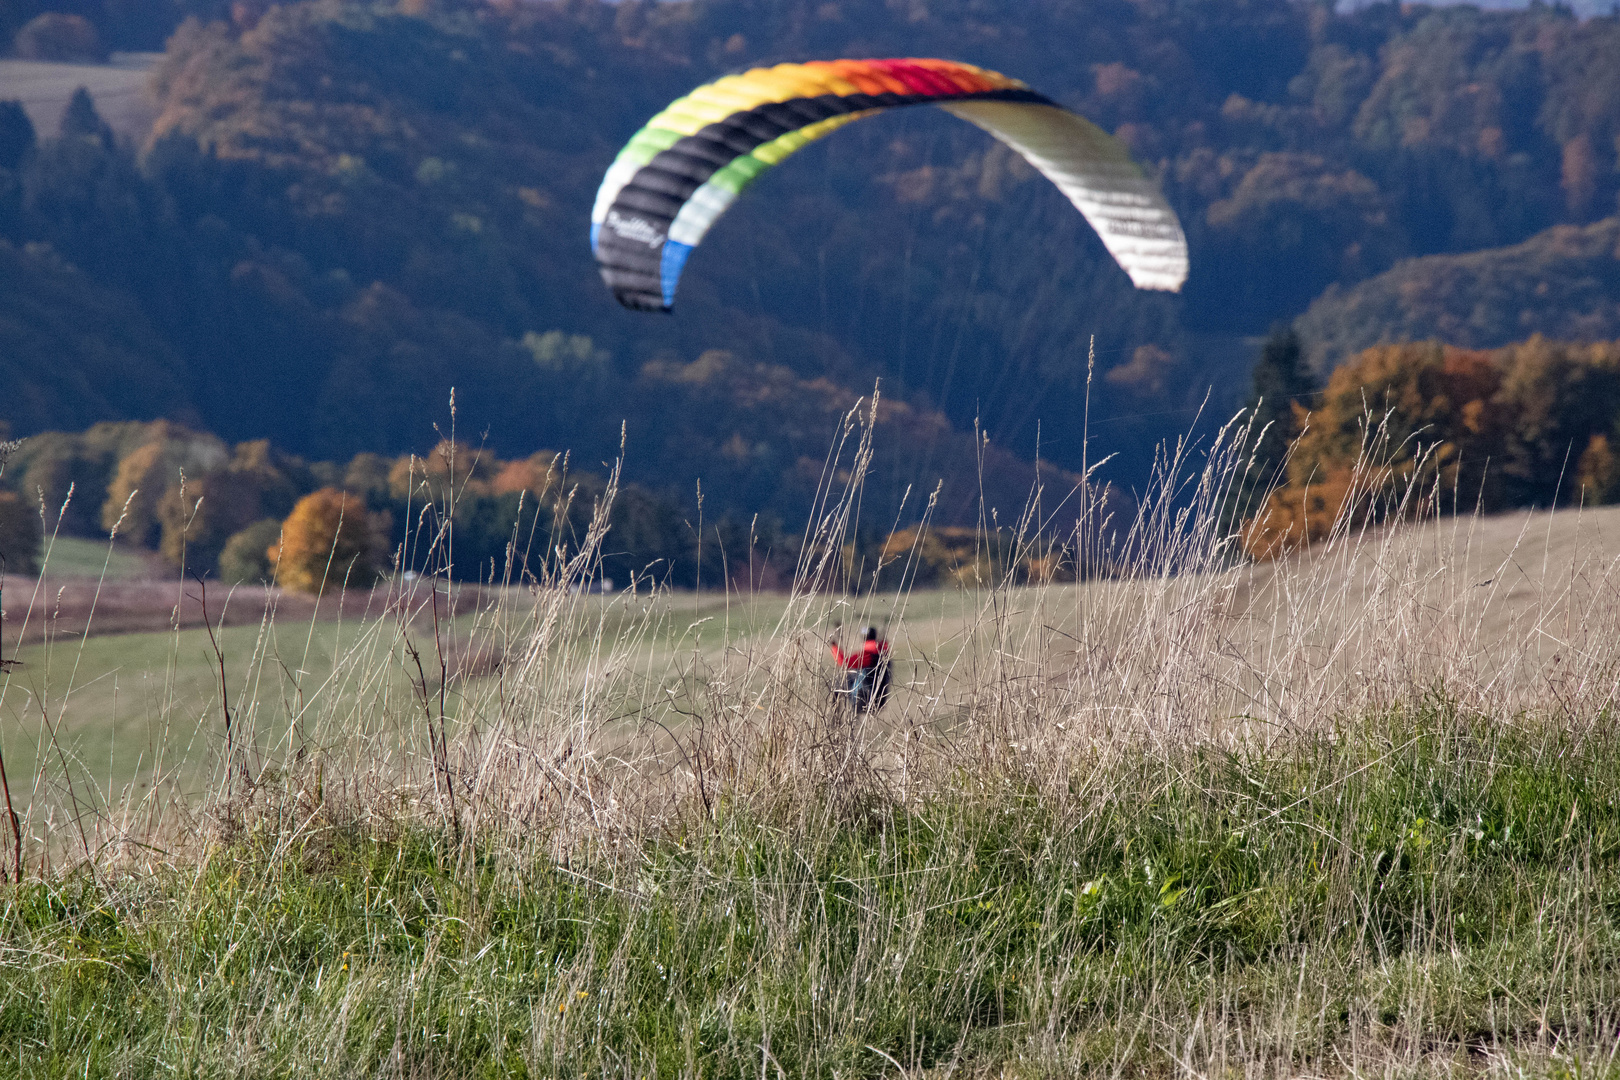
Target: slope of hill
<point>104,356</point>
<point>1563,283</point>
<point>371,203</point>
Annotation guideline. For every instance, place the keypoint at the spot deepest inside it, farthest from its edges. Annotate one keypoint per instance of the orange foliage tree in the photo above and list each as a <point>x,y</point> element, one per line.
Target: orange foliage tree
<point>1531,423</point>
<point>451,471</point>
<point>329,540</point>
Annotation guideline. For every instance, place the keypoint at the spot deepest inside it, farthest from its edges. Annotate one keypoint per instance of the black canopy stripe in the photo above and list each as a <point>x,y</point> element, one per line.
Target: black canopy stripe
<point>630,266</point>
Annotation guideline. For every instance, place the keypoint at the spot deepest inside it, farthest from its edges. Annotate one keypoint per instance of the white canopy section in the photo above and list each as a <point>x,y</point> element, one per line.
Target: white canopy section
<point>1094,170</point>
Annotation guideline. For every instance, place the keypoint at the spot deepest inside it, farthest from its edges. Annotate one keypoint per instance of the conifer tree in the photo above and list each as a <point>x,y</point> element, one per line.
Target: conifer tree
<point>1280,381</point>
<point>16,134</point>
<point>81,120</point>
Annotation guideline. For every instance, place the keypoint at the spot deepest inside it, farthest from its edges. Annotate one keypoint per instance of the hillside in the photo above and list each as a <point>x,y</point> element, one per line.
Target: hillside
<point>1563,283</point>
<point>105,358</point>
<point>372,204</point>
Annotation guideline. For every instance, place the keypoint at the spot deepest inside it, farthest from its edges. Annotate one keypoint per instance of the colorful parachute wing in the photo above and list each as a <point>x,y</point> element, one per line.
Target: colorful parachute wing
<point>678,174</point>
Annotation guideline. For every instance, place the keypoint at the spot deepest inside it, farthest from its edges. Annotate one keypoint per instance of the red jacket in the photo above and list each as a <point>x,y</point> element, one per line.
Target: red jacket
<point>869,655</point>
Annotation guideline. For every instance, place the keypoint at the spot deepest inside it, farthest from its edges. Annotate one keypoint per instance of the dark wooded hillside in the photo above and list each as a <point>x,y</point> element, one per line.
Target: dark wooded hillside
<point>345,209</point>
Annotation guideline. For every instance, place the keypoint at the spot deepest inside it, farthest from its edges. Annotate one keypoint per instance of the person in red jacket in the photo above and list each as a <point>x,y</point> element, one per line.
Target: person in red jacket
<point>866,678</point>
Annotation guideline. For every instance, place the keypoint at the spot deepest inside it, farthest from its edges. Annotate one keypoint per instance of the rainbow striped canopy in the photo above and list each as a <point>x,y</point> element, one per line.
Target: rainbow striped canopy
<point>689,164</point>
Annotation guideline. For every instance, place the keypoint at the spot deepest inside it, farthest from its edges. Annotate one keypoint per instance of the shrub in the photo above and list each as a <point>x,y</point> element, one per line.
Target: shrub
<point>19,535</point>
<point>246,557</point>
<point>329,539</point>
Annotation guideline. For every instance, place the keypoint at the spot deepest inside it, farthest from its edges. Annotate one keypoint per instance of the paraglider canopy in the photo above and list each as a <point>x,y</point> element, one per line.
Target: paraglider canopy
<point>678,174</point>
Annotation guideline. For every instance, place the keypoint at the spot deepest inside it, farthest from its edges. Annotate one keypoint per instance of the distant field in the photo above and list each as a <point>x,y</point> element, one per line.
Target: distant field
<point>114,701</point>
<point>77,557</point>
<point>1514,584</point>
<point>118,87</point>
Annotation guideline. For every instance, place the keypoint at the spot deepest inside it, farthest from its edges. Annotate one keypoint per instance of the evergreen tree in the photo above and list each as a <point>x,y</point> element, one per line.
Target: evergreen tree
<point>80,119</point>
<point>19,535</point>
<point>1280,380</point>
<point>16,134</point>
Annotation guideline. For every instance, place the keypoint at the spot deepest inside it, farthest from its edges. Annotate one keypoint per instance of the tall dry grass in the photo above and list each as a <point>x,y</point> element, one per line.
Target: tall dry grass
<point>1348,812</point>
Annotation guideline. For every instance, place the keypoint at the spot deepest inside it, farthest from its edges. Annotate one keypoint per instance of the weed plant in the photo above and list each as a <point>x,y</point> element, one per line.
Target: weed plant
<point>1352,813</point>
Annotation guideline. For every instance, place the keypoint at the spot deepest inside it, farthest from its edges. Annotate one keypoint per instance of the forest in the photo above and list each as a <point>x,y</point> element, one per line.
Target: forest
<point>1536,423</point>
<point>374,203</point>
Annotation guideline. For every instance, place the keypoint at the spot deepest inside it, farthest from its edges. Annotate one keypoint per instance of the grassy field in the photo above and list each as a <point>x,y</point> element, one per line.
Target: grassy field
<point>1419,895</point>
<point>125,708</point>
<point>1350,813</point>
<point>1520,584</point>
<point>77,557</point>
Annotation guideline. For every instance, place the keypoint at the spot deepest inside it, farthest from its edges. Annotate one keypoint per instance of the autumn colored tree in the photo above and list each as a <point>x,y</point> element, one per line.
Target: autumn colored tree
<point>1529,424</point>
<point>329,540</point>
<point>1559,397</point>
<point>51,463</point>
<point>145,475</point>
<point>953,555</point>
<point>537,474</point>
<point>449,472</point>
<point>1396,416</point>
<point>214,506</point>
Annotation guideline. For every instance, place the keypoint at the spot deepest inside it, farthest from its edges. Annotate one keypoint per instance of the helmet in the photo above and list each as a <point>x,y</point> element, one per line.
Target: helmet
<point>870,633</point>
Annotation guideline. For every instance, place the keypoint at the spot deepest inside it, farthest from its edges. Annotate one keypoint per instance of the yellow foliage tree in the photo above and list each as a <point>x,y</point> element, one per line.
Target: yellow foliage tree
<point>145,475</point>
<point>961,556</point>
<point>450,471</point>
<point>1598,472</point>
<point>329,541</point>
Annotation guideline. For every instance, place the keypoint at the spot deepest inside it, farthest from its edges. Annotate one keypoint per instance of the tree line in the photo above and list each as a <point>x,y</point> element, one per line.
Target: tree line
<point>253,514</point>
<point>250,513</point>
